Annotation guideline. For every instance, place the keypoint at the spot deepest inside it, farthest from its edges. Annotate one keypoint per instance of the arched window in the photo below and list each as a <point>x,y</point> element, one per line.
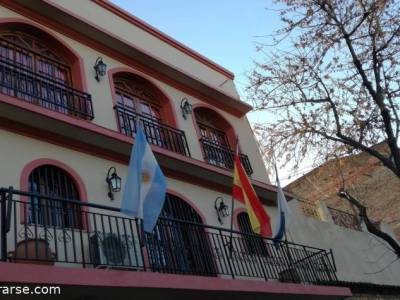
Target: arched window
<point>218,139</point>
<point>252,244</point>
<point>30,52</point>
<point>179,243</point>
<point>53,182</point>
<point>137,98</point>
<point>213,128</point>
<point>37,68</point>
<point>176,208</point>
<point>134,95</point>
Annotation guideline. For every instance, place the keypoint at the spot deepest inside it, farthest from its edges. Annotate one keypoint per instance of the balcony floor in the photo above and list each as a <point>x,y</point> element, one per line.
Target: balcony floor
<point>107,284</point>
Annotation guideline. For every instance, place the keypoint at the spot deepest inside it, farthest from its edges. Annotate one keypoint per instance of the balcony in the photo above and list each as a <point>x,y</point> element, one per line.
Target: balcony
<point>52,231</point>
<point>16,80</point>
<point>221,156</point>
<point>156,132</point>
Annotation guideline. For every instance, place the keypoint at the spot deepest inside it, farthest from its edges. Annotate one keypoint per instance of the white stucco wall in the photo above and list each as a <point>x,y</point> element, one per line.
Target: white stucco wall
<point>359,256</point>
<point>16,151</point>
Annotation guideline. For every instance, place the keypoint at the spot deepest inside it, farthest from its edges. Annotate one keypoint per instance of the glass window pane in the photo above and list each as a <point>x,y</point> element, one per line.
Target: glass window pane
<point>145,108</point>
<point>128,101</point>
<point>23,59</point>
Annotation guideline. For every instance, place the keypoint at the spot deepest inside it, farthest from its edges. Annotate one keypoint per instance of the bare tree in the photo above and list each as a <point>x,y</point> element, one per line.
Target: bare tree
<point>332,80</point>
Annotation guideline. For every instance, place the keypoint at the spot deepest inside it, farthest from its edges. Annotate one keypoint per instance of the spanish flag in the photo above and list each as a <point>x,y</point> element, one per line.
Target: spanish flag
<point>243,191</point>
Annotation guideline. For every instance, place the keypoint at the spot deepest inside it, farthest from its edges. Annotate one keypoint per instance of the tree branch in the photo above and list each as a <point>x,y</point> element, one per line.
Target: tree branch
<point>370,226</point>
<point>377,97</point>
<point>387,43</point>
<point>355,144</point>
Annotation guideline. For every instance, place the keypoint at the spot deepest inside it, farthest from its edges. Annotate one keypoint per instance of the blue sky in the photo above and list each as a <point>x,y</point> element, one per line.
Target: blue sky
<point>223,30</point>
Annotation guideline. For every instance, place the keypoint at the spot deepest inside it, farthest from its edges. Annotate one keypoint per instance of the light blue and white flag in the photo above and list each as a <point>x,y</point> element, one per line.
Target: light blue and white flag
<point>283,211</point>
<point>145,186</point>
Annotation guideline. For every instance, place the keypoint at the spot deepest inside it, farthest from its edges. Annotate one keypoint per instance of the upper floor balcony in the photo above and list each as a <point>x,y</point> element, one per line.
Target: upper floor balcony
<point>137,99</point>
<point>223,156</point>
<point>40,74</point>
<point>156,132</point>
<point>43,229</point>
<point>39,79</point>
<point>45,81</point>
<point>218,139</point>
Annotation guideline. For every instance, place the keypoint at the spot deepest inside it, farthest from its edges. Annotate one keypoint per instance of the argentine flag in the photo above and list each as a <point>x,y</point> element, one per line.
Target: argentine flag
<point>283,211</point>
<point>145,186</point>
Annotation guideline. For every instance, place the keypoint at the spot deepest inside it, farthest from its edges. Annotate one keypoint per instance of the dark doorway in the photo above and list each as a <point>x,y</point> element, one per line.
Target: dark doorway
<point>179,243</point>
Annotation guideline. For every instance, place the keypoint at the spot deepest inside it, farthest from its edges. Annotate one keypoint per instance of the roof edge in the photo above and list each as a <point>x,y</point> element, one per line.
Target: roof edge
<point>106,4</point>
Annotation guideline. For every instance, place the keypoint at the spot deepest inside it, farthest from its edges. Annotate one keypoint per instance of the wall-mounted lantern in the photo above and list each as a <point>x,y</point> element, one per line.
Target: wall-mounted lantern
<point>100,68</point>
<point>221,208</point>
<point>113,181</point>
<point>186,108</point>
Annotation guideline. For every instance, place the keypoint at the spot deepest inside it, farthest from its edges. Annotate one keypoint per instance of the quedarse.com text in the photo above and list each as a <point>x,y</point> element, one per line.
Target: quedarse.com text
<point>29,290</point>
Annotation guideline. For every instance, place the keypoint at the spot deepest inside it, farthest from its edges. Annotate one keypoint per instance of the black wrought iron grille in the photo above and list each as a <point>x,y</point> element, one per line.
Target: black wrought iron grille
<point>156,133</point>
<point>345,219</point>
<point>177,247</point>
<point>222,156</point>
<point>54,182</point>
<point>104,237</point>
<point>110,239</point>
<point>176,208</point>
<point>20,81</point>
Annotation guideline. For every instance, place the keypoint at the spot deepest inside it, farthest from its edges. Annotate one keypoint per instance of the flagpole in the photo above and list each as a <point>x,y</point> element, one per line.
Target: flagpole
<point>142,233</point>
<point>144,205</point>
<point>289,256</point>
<point>233,201</point>
<point>141,223</point>
<point>138,122</point>
<point>231,231</point>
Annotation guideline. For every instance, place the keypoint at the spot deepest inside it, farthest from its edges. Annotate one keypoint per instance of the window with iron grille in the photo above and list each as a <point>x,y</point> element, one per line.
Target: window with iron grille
<point>39,72</point>
<point>135,97</point>
<point>210,128</point>
<point>22,51</point>
<point>180,246</point>
<point>251,243</point>
<point>176,208</point>
<point>139,100</point>
<point>25,50</point>
<point>53,182</point>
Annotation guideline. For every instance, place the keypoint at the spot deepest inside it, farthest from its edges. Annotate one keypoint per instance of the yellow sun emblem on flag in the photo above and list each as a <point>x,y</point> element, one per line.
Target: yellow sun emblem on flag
<point>145,176</point>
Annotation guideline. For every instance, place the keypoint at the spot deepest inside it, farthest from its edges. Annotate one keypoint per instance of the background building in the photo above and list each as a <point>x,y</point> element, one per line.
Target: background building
<point>365,178</point>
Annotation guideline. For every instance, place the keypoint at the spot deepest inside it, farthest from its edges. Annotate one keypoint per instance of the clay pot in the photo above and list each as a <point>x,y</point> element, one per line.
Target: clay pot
<point>26,252</point>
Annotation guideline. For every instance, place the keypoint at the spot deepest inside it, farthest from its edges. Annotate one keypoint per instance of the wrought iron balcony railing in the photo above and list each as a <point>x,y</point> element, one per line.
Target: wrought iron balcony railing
<point>344,219</point>
<point>18,81</point>
<point>157,133</point>
<point>47,230</point>
<point>221,156</point>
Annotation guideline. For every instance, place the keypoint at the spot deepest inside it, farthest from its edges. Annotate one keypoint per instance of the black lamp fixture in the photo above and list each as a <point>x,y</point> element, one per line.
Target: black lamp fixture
<point>186,108</point>
<point>100,67</point>
<point>221,208</point>
<point>113,181</point>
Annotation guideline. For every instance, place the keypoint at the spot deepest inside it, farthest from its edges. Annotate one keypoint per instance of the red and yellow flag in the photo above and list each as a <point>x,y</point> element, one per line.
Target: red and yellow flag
<point>244,192</point>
